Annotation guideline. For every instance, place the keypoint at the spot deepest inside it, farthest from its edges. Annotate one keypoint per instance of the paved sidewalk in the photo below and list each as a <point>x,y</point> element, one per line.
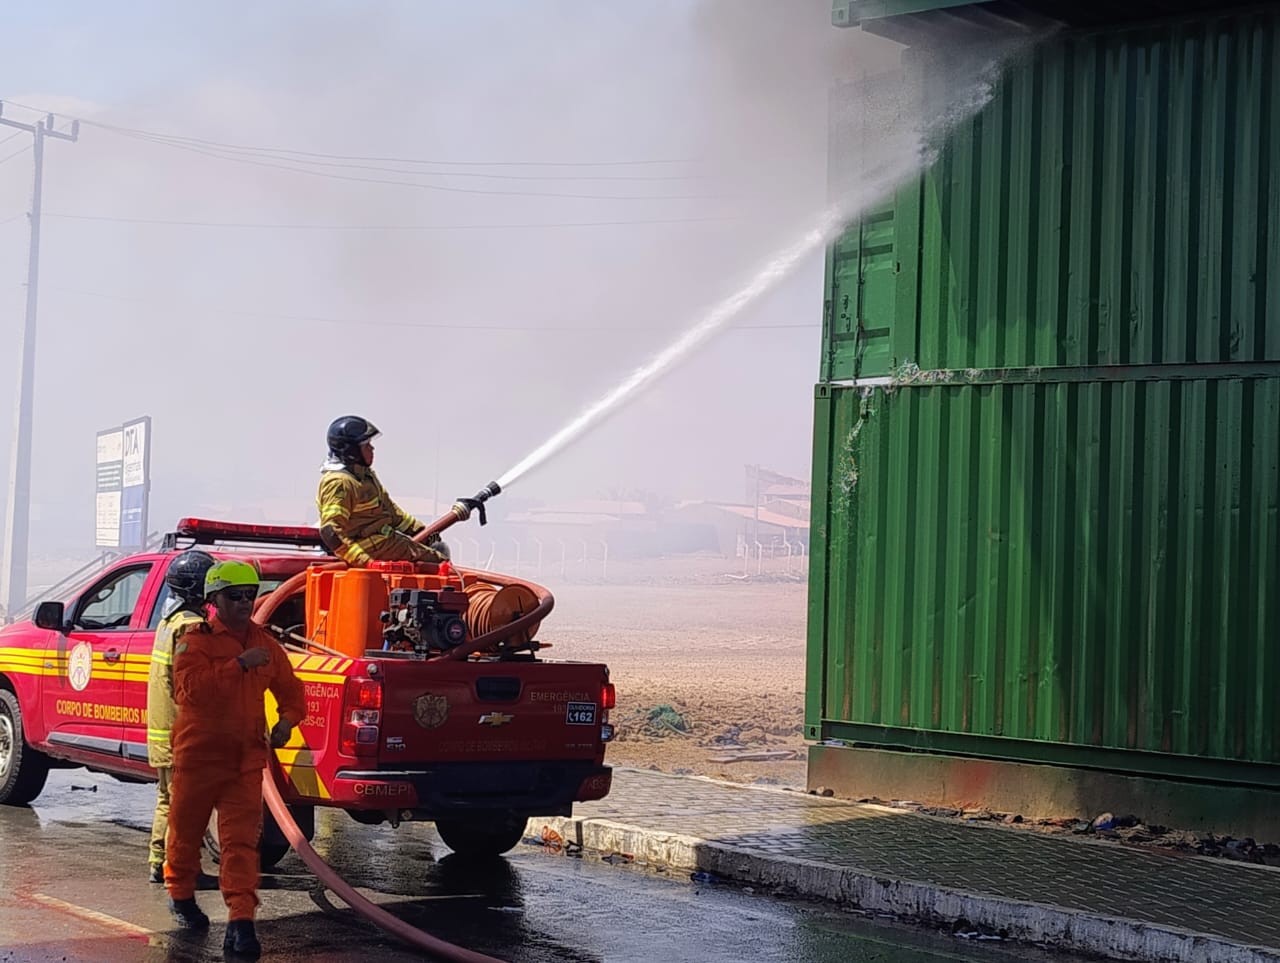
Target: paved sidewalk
<point>1084,895</point>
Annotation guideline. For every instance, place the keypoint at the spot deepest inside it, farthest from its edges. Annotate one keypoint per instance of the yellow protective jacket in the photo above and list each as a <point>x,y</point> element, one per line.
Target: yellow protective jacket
<point>161,711</point>
<point>362,518</point>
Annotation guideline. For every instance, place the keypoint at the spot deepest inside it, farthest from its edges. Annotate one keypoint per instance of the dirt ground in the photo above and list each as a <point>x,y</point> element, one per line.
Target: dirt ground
<point>705,665</point>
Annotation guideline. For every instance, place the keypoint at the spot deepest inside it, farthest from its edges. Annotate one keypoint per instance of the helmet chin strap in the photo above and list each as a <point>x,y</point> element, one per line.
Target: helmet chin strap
<point>351,457</point>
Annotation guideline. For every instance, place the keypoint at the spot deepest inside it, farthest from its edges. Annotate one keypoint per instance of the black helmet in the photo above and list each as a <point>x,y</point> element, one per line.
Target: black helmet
<point>186,575</point>
<point>347,434</point>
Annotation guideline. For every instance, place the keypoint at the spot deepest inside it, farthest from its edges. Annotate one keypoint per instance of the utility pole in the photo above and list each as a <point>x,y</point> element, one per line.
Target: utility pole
<point>17,523</point>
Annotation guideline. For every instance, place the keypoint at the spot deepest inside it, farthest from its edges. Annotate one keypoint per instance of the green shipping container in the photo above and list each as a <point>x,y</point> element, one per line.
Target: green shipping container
<point>1046,521</point>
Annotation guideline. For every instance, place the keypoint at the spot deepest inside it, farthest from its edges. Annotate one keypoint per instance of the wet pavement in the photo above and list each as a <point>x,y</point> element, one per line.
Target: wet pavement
<point>73,888</point>
<point>1089,896</point>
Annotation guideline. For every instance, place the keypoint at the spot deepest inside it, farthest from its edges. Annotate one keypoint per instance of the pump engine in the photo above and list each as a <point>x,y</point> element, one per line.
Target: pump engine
<point>423,621</point>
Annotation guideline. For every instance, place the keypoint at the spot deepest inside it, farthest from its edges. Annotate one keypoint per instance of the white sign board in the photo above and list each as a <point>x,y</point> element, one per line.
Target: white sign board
<point>135,447</point>
<point>123,468</point>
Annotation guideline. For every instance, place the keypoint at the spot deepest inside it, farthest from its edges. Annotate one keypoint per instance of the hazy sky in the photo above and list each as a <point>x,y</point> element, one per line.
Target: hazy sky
<point>466,310</point>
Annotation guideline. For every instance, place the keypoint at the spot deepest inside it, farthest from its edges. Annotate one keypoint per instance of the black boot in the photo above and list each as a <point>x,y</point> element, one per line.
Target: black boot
<point>156,873</point>
<point>188,914</point>
<point>241,940</point>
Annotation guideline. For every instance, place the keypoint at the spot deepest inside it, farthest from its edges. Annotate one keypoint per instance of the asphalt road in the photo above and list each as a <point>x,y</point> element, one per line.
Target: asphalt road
<point>73,888</point>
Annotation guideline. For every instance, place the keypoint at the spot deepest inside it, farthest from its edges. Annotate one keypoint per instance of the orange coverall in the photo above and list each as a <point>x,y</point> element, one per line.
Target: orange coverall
<point>219,750</point>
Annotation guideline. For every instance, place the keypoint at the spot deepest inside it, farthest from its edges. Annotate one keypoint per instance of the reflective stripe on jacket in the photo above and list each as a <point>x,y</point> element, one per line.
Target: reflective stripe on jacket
<point>160,708</point>
<point>357,509</point>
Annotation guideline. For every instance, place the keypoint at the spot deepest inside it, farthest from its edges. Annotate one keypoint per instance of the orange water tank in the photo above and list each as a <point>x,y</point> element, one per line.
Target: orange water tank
<point>344,607</point>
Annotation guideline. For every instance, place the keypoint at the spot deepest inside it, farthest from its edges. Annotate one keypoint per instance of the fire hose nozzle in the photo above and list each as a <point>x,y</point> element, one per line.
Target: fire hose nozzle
<point>463,507</point>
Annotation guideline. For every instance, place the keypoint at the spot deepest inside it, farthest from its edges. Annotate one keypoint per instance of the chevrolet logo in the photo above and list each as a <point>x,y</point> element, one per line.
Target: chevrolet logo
<point>495,719</point>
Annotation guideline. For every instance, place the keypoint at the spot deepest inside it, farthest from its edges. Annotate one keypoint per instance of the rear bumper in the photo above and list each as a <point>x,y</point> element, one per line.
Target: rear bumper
<point>448,789</point>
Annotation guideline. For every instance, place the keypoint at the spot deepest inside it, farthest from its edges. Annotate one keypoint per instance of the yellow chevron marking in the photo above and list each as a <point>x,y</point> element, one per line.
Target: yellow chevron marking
<point>330,678</point>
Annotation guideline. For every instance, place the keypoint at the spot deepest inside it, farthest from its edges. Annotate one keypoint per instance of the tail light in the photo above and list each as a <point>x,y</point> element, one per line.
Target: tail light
<point>608,699</point>
<point>361,717</point>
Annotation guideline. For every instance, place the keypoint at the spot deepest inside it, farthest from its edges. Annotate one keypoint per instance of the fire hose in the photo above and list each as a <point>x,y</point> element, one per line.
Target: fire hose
<point>371,911</point>
<point>273,776</point>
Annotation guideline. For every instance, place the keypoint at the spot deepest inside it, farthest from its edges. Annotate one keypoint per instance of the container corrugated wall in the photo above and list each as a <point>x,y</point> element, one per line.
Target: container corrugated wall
<point>1118,202</point>
<point>1050,528</point>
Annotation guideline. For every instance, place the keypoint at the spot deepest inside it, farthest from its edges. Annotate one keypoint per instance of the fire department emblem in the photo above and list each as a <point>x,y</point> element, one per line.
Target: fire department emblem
<point>80,666</point>
<point>430,711</point>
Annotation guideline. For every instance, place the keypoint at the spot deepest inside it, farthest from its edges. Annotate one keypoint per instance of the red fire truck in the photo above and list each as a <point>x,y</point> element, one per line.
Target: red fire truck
<point>407,718</point>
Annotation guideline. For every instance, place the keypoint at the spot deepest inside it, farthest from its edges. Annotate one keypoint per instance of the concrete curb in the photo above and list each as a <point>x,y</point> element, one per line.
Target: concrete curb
<point>1063,928</point>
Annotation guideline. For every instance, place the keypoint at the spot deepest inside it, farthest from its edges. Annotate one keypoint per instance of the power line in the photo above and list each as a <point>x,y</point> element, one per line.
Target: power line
<point>288,160</point>
<point>330,175</point>
<point>9,157</point>
<point>237,153</point>
<point>319,155</point>
<point>358,157</point>
<point>383,227</point>
<point>21,150</point>
<point>9,220</point>
<point>428,326</point>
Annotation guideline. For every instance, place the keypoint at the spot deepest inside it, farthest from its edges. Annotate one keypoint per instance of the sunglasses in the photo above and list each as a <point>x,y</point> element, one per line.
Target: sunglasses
<point>240,594</point>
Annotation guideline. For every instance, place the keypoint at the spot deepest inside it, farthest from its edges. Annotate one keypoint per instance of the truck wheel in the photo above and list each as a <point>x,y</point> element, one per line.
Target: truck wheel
<point>23,769</point>
<point>480,836</point>
<point>269,852</point>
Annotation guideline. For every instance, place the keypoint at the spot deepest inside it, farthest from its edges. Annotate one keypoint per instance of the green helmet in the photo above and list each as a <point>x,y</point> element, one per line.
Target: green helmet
<point>229,574</point>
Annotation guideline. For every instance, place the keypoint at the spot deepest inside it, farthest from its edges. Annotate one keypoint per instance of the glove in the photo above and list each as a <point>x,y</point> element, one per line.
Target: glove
<point>280,733</point>
<point>438,544</point>
<point>252,658</point>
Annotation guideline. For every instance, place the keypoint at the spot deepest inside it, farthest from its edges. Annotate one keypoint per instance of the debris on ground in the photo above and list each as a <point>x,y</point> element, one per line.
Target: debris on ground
<point>665,718</point>
<point>750,755</point>
<point>551,840</point>
<point>1128,829</point>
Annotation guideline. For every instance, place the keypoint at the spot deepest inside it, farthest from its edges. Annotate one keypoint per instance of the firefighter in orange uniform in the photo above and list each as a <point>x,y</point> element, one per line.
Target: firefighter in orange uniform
<point>221,671</point>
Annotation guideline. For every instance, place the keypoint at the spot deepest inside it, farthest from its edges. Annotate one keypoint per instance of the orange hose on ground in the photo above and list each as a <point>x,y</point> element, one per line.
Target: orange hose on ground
<point>263,611</point>
<point>375,914</point>
<point>371,911</point>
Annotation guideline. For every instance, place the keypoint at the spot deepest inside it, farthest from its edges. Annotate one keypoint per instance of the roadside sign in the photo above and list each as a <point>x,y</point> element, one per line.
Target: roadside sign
<point>123,484</point>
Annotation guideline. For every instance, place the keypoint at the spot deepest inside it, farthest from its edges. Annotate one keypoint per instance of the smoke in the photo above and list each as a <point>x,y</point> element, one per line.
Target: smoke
<point>600,176</point>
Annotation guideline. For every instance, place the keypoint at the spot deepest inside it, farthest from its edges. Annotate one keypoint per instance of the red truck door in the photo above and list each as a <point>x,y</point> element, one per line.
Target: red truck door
<point>82,697</point>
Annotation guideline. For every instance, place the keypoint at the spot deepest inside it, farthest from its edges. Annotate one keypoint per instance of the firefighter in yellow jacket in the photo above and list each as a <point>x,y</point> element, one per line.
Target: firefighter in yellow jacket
<point>358,520</point>
<point>185,606</point>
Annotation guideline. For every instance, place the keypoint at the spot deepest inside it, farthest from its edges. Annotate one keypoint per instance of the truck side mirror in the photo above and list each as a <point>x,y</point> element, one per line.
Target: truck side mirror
<point>51,615</point>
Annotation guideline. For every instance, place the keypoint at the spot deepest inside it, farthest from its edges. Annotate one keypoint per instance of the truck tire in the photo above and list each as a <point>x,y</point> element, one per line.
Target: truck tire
<point>480,836</point>
<point>270,852</point>
<point>23,769</point>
